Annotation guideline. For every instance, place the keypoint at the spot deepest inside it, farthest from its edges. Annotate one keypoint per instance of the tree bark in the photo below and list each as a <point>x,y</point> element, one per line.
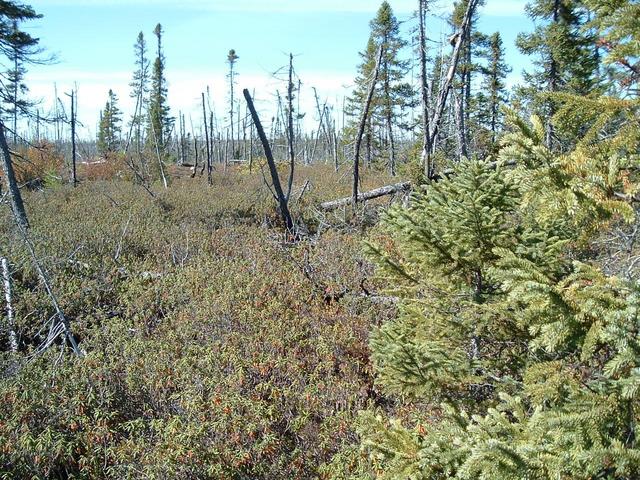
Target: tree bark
<point>282,200</point>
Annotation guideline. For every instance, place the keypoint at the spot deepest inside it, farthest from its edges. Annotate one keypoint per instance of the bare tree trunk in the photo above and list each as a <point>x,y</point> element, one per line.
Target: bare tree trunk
<point>321,114</point>
<point>73,138</point>
<point>11,326</point>
<point>392,147</point>
<point>363,122</point>
<point>59,324</point>
<point>159,157</point>
<point>425,155</point>
<point>460,130</point>
<point>282,200</point>
<point>290,131</point>
<point>206,136</point>
<point>195,148</point>
<point>17,205</point>
<point>453,64</point>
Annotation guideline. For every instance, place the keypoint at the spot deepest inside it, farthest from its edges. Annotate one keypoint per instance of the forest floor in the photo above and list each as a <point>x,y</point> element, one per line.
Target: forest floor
<point>215,346</point>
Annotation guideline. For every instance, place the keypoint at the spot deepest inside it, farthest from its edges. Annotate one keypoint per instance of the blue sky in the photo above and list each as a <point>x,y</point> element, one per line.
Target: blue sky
<point>93,41</point>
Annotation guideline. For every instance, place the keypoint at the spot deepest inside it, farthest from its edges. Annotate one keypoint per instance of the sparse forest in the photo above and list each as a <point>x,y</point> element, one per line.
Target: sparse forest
<point>436,279</point>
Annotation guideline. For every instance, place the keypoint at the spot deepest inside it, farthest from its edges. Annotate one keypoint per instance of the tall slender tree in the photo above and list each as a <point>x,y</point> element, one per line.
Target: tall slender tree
<point>493,93</point>
<point>110,126</point>
<point>392,93</point>
<point>19,49</point>
<point>566,57</point>
<point>232,58</point>
<point>160,121</point>
<point>139,89</point>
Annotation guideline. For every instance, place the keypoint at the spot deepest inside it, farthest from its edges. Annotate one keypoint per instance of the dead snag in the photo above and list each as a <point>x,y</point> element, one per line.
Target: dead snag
<point>282,201</point>
<point>363,122</point>
<point>17,205</point>
<point>11,325</point>
<point>446,87</point>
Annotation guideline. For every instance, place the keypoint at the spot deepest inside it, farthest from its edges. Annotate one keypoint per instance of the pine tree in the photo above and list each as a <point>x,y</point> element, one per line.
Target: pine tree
<point>392,92</point>
<point>110,126</point>
<point>160,121</point>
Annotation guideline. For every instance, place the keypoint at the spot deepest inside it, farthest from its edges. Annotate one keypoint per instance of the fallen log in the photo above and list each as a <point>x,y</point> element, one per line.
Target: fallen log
<point>370,195</point>
<point>398,187</point>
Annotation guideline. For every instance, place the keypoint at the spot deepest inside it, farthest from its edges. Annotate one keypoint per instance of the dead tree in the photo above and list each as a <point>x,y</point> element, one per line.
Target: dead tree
<point>370,195</point>
<point>290,132</point>
<point>206,136</point>
<point>11,326</point>
<point>321,123</point>
<point>363,122</point>
<point>17,205</point>
<point>453,64</point>
<point>279,194</point>
<point>158,155</point>
<point>425,156</point>
<point>59,323</point>
<point>73,138</point>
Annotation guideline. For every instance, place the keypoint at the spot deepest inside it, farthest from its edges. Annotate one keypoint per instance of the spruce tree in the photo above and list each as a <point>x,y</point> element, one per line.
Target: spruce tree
<point>19,48</point>
<point>493,94</point>
<point>139,89</point>
<point>565,55</point>
<point>110,128</point>
<point>519,351</point>
<point>392,92</point>
<point>160,121</point>
<point>618,28</point>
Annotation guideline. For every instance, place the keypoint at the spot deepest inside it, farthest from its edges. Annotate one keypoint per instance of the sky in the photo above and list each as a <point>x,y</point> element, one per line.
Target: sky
<point>92,41</point>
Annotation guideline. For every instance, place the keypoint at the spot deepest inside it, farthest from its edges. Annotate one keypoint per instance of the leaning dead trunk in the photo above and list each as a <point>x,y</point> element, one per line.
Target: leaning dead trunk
<point>279,194</point>
<point>363,122</point>
<point>12,185</point>
<point>425,156</point>
<point>453,64</point>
